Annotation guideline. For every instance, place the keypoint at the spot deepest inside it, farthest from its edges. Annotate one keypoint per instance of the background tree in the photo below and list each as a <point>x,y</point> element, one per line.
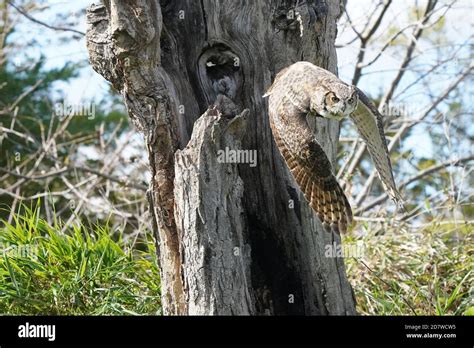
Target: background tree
<point>67,154</point>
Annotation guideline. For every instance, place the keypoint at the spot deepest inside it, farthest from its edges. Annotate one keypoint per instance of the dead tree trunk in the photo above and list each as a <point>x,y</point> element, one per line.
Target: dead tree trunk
<point>234,238</point>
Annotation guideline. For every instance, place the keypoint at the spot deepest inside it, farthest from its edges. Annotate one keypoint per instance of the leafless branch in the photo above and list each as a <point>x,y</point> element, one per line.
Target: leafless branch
<point>406,126</point>
<point>414,178</point>
<point>34,20</point>
<point>365,38</point>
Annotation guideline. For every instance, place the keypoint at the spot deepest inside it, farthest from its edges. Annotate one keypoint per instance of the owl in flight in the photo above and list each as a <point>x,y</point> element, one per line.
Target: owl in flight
<point>302,89</point>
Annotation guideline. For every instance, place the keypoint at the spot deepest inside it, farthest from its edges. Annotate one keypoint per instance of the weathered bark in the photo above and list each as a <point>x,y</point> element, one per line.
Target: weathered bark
<point>230,239</point>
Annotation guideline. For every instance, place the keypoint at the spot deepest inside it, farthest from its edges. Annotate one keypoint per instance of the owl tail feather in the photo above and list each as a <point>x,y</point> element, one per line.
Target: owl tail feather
<point>331,206</point>
<point>325,197</point>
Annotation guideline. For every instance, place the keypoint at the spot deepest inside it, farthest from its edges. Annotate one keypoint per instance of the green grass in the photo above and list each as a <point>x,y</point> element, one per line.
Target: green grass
<point>429,271</point>
<point>83,271</point>
<point>92,271</point>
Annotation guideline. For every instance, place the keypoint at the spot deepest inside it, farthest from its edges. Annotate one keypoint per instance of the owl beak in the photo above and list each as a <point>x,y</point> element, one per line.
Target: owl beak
<point>315,114</point>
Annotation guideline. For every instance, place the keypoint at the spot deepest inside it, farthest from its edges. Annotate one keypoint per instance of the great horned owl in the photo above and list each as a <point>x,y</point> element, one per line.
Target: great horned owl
<point>303,89</point>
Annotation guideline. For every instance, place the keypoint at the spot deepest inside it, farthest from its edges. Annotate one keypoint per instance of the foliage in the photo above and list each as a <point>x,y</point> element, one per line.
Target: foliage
<point>35,141</point>
<point>52,267</point>
<point>403,271</point>
<point>83,270</point>
<point>88,270</point>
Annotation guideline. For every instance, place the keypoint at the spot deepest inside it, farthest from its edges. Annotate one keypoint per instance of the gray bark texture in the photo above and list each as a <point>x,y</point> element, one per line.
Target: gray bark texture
<point>233,238</point>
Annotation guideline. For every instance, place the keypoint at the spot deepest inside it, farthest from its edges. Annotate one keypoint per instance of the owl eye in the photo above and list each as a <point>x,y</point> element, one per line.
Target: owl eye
<point>334,99</point>
<point>350,100</point>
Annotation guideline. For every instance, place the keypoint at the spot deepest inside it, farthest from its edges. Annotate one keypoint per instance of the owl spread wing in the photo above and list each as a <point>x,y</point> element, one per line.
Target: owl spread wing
<point>289,103</point>
<point>370,126</point>
<point>313,174</point>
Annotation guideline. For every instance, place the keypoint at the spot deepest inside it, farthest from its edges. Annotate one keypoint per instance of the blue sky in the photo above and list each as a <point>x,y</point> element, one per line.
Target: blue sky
<point>90,85</point>
<point>459,26</point>
<point>458,31</point>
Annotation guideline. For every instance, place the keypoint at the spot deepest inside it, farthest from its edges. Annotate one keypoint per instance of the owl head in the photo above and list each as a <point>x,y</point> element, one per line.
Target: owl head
<point>337,103</point>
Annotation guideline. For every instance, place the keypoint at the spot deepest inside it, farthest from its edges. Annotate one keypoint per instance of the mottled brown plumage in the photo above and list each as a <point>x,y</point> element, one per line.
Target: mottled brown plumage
<point>304,88</point>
